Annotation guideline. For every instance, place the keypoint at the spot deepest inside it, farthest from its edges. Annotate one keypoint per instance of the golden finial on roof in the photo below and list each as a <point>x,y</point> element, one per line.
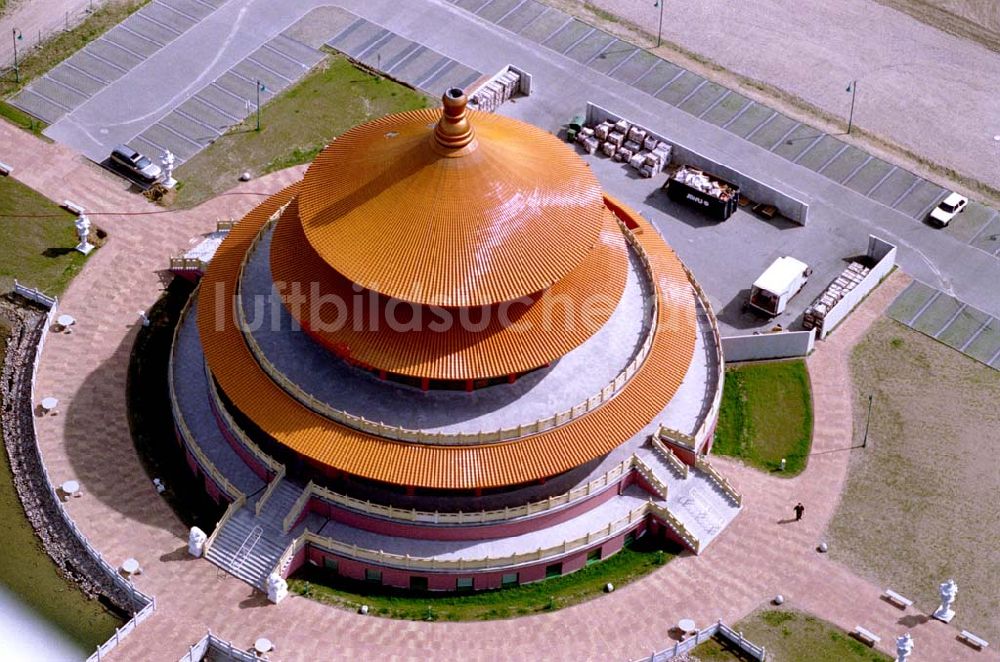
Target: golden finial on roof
<point>453,130</point>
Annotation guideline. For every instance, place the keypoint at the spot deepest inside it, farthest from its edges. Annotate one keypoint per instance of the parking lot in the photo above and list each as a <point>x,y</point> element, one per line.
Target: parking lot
<point>948,320</point>
<point>825,154</point>
<point>728,256</point>
<point>106,59</point>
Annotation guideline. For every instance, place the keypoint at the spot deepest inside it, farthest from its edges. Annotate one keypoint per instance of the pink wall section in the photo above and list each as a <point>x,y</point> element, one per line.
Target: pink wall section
<point>467,532</point>
<point>446,581</point>
<point>255,465</point>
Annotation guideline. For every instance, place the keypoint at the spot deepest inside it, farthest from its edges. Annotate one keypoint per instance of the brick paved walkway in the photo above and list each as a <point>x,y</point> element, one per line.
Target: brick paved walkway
<point>754,559</point>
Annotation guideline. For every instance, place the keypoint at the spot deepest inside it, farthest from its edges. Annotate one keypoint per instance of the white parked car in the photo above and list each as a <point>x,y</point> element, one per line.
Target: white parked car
<point>948,208</point>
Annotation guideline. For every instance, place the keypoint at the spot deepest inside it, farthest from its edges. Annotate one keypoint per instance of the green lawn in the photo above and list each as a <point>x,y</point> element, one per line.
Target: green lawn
<point>632,562</point>
<point>30,575</point>
<point>766,415</point>
<point>37,61</point>
<point>791,636</point>
<point>295,126</point>
<point>38,240</point>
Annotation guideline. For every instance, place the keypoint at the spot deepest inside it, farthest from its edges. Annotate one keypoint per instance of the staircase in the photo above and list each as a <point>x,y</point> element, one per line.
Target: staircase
<point>697,500</point>
<point>249,546</point>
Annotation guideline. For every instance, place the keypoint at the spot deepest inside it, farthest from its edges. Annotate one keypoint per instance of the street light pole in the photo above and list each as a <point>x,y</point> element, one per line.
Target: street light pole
<point>864,442</point>
<point>16,36</point>
<point>260,88</point>
<point>853,89</point>
<point>659,31</point>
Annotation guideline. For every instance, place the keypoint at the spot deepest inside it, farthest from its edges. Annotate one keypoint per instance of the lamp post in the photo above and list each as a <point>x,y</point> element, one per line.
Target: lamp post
<point>16,36</point>
<point>659,31</point>
<point>260,88</point>
<point>852,87</point>
<point>864,442</point>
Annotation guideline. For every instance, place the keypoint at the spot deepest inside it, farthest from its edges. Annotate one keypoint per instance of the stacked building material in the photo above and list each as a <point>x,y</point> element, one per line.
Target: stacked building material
<point>848,279</point>
<point>702,181</point>
<point>627,143</point>
<point>496,90</point>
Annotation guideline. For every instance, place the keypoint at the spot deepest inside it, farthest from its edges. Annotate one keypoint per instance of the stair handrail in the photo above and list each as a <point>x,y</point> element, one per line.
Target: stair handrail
<point>646,472</point>
<point>226,516</point>
<point>271,487</point>
<point>702,464</point>
<point>676,436</point>
<point>669,456</point>
<point>674,523</point>
<point>296,511</point>
<point>255,534</point>
<point>286,556</point>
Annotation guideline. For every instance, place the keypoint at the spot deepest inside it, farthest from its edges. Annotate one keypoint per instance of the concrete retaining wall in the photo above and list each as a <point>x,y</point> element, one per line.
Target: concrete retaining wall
<point>790,204</point>
<point>783,345</point>
<point>883,254</point>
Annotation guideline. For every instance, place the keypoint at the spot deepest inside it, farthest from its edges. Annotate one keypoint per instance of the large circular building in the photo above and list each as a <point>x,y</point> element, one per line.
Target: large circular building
<point>447,360</point>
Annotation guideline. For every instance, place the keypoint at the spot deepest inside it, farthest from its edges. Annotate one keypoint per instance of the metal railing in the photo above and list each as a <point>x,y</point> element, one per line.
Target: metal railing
<point>246,548</point>
<point>669,457</point>
<point>701,463</point>
<point>399,433</point>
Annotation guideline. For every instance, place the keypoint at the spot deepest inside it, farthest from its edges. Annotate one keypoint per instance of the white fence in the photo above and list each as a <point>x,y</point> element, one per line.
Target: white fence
<point>701,636</point>
<point>39,297</point>
<point>883,254</point>
<point>761,346</point>
<point>136,598</point>
<point>218,648</point>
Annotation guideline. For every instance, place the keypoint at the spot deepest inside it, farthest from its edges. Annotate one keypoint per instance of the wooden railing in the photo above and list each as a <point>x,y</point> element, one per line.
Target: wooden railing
<point>669,457</point>
<point>701,463</point>
<point>444,438</point>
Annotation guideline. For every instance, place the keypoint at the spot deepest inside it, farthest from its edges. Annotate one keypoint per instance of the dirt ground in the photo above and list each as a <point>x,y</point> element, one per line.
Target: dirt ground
<point>920,503</point>
<point>920,90</point>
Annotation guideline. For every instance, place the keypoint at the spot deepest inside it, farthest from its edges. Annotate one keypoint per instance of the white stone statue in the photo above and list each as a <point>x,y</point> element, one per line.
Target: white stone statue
<point>904,646</point>
<point>277,588</point>
<point>82,224</point>
<point>167,161</point>
<point>196,542</point>
<point>948,590</point>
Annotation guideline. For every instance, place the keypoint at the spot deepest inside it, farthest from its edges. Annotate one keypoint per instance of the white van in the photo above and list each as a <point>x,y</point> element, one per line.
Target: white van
<point>778,284</point>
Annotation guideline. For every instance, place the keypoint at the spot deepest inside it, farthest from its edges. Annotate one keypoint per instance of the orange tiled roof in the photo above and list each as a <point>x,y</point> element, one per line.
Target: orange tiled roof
<point>517,339</point>
<point>505,216</point>
<point>445,467</point>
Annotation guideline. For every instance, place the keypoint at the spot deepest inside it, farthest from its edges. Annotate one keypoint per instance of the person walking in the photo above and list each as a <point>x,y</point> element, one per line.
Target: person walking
<point>799,509</point>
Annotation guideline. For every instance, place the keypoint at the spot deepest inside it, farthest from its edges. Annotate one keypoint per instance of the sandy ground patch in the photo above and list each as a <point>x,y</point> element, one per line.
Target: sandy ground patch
<point>919,505</point>
<point>920,88</point>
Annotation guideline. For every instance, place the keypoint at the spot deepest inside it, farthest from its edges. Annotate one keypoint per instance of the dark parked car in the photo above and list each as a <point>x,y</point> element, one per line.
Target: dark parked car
<point>128,160</point>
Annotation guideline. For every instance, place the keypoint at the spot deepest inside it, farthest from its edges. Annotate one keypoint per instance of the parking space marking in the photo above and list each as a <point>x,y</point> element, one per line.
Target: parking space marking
<point>600,52</point>
<point>644,73</point>
<point>436,71</point>
<point>627,58</point>
<point>983,229</point>
<point>263,66</point>
<point>668,83</point>
<point>858,169</point>
<point>569,19</point>
<point>211,7</point>
<point>177,11</point>
<point>108,40</point>
<point>212,106</point>
<point>923,308</point>
<point>715,103</point>
<point>191,118</point>
<point>126,28</point>
<point>934,203</point>
<point>881,181</point>
<point>737,115</point>
<point>179,135</point>
<point>386,36</point>
<point>575,43</point>
<point>415,53</point>
<point>760,126</point>
<point>692,92</point>
<point>66,85</point>
<point>784,137</point>
<point>266,46</point>
<point>168,28</point>
<point>951,320</point>
<point>916,180</point>
<point>106,61</point>
<point>50,100</point>
<point>833,158</point>
<point>510,11</point>
<point>975,335</point>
